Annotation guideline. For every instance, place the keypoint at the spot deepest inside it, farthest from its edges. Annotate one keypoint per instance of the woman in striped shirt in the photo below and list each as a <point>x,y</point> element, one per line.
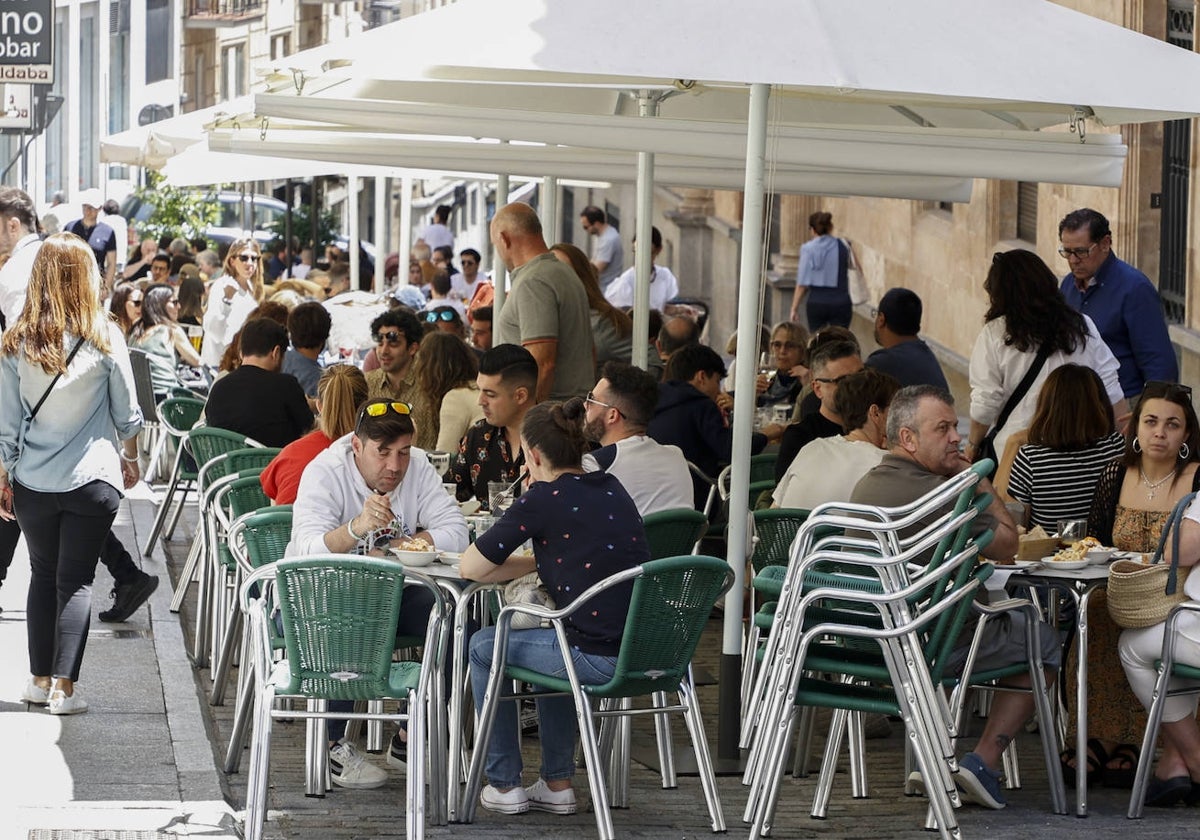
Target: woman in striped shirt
<point>1071,439</point>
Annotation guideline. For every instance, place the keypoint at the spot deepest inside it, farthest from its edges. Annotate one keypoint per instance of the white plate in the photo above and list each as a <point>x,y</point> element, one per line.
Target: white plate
<point>450,558</point>
<point>1100,556</point>
<point>1023,565</point>
<point>414,558</point>
<point>1050,564</point>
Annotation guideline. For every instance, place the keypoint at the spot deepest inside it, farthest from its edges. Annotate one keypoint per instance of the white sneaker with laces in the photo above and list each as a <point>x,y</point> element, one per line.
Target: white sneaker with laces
<point>541,798</point>
<point>348,768</point>
<point>35,694</point>
<point>61,704</point>
<point>512,801</point>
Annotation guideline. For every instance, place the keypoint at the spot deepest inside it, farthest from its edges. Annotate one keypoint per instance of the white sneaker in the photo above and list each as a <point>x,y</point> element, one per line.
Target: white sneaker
<point>61,704</point>
<point>541,798</point>
<point>35,694</point>
<point>513,801</point>
<point>349,769</point>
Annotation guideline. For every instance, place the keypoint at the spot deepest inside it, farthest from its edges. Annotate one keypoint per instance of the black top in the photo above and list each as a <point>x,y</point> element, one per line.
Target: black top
<point>797,435</point>
<point>99,237</point>
<point>1104,502</point>
<point>483,456</point>
<point>584,528</point>
<point>260,404</point>
<point>910,362</point>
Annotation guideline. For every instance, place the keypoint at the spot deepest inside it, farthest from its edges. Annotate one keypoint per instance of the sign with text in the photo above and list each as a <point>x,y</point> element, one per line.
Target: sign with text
<point>16,107</point>
<point>27,41</point>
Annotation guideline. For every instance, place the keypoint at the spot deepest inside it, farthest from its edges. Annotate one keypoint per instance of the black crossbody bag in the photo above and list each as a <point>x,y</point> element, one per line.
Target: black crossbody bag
<point>987,447</point>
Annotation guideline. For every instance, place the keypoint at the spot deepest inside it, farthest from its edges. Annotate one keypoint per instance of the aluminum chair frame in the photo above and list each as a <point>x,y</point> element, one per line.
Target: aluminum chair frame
<point>1162,692</point>
<point>176,480</point>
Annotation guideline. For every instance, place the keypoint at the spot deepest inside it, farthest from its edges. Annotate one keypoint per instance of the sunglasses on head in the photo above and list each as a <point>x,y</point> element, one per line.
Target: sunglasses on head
<point>380,408</point>
<point>392,337</point>
<point>1165,389</point>
<point>247,258</point>
<point>441,315</point>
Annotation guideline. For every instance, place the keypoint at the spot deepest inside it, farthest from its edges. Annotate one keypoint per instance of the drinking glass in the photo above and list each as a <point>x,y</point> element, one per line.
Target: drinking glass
<point>440,461</point>
<point>1072,529</point>
<point>500,497</point>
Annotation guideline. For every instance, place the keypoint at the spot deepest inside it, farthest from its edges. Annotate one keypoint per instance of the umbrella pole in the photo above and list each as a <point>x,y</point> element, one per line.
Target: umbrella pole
<point>647,107</point>
<point>749,293</point>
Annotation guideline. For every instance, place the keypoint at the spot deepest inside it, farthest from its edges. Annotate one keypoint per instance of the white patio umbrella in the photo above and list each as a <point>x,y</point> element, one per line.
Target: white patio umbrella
<point>959,64</point>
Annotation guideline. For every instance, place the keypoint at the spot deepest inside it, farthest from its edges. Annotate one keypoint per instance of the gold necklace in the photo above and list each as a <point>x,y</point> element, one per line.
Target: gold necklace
<point>1152,486</point>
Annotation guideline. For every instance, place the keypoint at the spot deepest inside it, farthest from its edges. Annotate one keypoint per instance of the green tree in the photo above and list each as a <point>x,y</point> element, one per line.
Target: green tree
<point>327,227</point>
<point>177,211</point>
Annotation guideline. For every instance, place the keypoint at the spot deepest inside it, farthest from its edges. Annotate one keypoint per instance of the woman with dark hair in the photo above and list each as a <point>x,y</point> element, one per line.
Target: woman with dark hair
<point>612,329</point>
<point>1027,312</point>
<point>231,298</point>
<point>584,528</point>
<point>445,371</point>
<point>1134,497</point>
<point>125,306</point>
<point>823,276</point>
<point>66,398</point>
<point>191,300</point>
<point>164,342</point>
<point>340,391</point>
<point>1071,440</point>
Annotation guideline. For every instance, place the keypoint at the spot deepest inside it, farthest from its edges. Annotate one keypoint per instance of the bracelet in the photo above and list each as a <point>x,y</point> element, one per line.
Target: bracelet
<point>127,459</point>
<point>350,531</point>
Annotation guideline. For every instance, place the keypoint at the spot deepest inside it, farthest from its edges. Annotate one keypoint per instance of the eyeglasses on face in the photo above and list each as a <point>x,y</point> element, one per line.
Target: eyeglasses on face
<point>248,258</point>
<point>1077,253</point>
<point>591,397</point>
<point>440,315</point>
<point>391,337</point>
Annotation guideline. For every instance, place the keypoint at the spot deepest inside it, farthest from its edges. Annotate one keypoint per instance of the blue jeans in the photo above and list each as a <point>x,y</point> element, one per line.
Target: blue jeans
<point>537,650</point>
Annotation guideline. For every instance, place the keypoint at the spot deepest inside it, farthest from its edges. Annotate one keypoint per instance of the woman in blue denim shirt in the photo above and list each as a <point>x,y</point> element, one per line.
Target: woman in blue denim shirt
<point>584,528</point>
<point>61,471</point>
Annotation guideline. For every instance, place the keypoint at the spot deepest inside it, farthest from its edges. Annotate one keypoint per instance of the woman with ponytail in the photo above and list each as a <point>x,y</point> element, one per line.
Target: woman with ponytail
<point>584,528</point>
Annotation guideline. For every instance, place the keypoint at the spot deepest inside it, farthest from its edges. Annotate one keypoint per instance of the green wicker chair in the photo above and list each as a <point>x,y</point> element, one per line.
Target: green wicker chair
<point>176,417</point>
<point>339,616</point>
<point>668,609</point>
<point>674,532</point>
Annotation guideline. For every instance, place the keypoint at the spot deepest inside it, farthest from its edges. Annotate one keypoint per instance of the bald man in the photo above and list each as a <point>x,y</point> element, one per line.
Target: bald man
<point>546,311</point>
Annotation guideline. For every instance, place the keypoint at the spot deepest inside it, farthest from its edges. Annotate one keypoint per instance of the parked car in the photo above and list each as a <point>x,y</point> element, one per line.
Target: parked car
<point>241,216</point>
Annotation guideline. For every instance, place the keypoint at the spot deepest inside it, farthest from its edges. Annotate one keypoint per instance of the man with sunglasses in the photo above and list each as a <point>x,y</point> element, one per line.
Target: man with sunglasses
<point>830,364</point>
<point>397,336</point>
<point>547,309</point>
<point>469,278</point>
<point>370,490</point>
<point>1120,300</point>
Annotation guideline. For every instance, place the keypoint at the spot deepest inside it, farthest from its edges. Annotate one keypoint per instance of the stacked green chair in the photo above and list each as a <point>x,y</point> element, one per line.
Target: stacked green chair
<point>670,605</point>
<point>176,417</point>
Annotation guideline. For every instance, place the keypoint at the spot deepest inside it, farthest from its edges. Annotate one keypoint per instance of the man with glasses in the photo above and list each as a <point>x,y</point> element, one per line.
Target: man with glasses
<point>371,490</point>
<point>467,281</point>
<point>1119,299</point>
<point>397,337</point>
<point>830,364</point>
<point>491,449</point>
<point>616,413</point>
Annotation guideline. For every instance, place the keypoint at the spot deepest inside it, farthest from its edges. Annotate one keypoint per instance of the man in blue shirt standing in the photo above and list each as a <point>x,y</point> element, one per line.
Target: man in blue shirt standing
<point>1122,302</point>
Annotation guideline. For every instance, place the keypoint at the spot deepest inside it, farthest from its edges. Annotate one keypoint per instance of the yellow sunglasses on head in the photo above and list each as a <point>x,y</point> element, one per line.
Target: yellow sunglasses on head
<point>380,408</point>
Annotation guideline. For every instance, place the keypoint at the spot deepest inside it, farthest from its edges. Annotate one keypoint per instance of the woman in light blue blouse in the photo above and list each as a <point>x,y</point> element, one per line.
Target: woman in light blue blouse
<point>66,397</point>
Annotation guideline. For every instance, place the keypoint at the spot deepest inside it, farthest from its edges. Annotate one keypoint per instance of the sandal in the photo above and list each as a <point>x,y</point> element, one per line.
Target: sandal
<point>1122,777</point>
<point>1166,793</point>
<point>1097,759</point>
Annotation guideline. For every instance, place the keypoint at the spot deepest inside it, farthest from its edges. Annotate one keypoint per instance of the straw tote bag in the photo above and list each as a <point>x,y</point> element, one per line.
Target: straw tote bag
<point>1141,595</point>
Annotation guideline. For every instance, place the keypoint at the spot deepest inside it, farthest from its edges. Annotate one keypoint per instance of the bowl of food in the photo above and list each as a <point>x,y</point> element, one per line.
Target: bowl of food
<point>1100,556</point>
<point>415,552</point>
<point>1054,564</point>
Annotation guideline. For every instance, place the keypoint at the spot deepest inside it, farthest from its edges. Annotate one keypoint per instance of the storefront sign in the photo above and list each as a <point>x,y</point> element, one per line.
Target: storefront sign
<point>27,41</point>
<point>16,107</point>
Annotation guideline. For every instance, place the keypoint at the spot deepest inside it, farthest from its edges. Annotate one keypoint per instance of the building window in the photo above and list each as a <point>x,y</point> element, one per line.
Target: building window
<point>281,46</point>
<point>1027,211</point>
<point>233,71</point>
<point>160,32</point>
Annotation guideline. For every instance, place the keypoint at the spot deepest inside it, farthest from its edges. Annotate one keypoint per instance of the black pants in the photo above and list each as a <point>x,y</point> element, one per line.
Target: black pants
<point>65,532</point>
<point>820,313</point>
<point>113,554</point>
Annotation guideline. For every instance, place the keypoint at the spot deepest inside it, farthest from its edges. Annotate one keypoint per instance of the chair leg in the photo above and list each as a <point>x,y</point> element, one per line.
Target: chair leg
<point>160,517</point>
<point>808,722</point>
<point>1141,779</point>
<point>237,735</point>
<point>415,783</point>
<point>234,634</point>
<point>187,577</point>
<point>833,748</point>
<point>666,748</point>
<point>858,756</point>
<point>169,534</point>
<point>316,764</point>
<point>695,726</point>
<point>595,767</point>
<point>260,758</point>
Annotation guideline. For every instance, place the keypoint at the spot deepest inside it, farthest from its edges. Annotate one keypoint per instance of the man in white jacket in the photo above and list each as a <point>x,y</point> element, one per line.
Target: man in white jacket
<point>369,489</point>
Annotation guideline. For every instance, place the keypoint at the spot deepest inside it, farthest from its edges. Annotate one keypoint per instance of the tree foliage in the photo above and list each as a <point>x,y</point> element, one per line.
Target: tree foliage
<point>327,227</point>
<point>177,212</point>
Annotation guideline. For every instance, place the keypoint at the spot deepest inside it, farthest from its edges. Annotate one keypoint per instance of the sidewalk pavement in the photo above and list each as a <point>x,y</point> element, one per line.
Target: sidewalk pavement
<point>143,763</point>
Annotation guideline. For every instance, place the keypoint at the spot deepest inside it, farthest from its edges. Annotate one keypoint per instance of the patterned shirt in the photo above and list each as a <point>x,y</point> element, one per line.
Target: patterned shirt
<point>378,387</point>
<point>484,455</point>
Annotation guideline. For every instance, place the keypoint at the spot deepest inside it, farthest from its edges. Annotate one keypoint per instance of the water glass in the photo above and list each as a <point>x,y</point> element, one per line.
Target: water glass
<point>440,461</point>
<point>500,497</point>
<point>1072,529</point>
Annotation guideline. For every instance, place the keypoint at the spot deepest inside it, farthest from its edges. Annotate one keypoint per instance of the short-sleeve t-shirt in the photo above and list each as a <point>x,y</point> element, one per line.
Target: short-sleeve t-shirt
<point>547,301</point>
<point>584,528</point>
<point>100,238</point>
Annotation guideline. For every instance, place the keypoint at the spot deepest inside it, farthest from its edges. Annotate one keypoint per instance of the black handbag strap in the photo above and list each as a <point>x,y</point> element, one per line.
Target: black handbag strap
<point>1173,528</point>
<point>54,381</point>
<point>1039,361</point>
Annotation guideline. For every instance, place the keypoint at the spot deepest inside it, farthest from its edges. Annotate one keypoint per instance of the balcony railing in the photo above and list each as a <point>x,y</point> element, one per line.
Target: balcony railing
<point>219,12</point>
